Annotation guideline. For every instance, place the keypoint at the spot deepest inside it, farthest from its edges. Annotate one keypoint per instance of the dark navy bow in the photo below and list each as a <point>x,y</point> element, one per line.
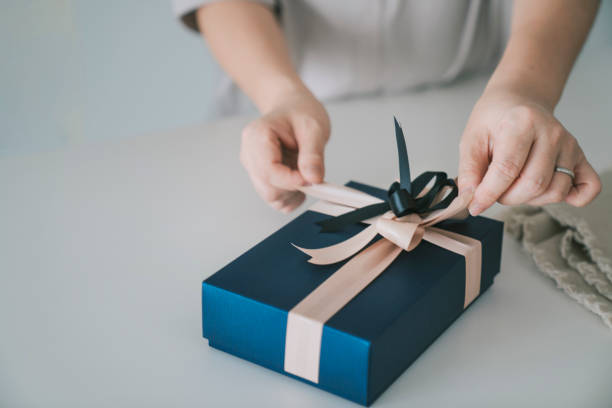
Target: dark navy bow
<point>403,197</point>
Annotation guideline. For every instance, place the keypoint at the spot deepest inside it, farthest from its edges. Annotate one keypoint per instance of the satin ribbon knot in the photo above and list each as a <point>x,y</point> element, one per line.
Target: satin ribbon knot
<point>403,197</point>
<point>400,200</point>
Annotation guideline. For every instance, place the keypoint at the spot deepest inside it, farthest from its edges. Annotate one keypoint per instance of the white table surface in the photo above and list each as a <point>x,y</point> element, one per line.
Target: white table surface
<point>103,249</point>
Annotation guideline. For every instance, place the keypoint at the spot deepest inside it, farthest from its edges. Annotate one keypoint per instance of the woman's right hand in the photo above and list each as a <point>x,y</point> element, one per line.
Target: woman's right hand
<point>284,149</point>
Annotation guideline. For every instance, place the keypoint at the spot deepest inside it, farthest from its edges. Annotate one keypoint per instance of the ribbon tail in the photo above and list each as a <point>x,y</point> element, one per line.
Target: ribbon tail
<point>402,153</point>
<point>341,251</point>
<point>461,215</point>
<point>340,195</point>
<point>457,207</point>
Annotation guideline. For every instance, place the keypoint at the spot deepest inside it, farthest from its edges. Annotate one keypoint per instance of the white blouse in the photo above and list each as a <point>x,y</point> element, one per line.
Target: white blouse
<point>363,47</point>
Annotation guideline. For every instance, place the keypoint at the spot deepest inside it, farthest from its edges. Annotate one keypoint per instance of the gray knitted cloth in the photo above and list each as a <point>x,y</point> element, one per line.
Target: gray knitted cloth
<point>573,246</point>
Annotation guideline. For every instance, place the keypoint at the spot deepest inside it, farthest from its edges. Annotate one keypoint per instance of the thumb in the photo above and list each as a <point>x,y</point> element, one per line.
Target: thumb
<point>311,147</point>
<point>473,163</point>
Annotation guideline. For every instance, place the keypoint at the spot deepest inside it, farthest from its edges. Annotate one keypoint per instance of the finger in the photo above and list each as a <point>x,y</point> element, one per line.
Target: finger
<point>510,150</point>
<point>281,176</point>
<point>293,202</point>
<point>536,176</point>
<point>311,141</point>
<point>277,198</point>
<point>269,163</point>
<point>473,162</point>
<point>561,183</point>
<point>557,190</point>
<point>587,184</point>
<point>268,193</point>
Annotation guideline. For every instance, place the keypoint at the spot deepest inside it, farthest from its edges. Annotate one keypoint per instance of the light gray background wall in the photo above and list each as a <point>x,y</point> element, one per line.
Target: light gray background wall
<point>75,71</point>
<point>78,70</point>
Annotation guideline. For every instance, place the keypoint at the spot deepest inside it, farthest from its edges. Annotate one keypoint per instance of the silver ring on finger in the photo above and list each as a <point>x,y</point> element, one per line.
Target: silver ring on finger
<point>565,170</point>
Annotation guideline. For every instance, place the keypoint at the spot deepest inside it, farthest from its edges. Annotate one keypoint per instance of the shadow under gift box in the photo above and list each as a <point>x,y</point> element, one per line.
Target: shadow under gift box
<point>372,339</point>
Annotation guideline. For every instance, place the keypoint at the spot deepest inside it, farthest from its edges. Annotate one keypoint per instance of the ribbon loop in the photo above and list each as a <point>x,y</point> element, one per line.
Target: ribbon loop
<point>400,200</point>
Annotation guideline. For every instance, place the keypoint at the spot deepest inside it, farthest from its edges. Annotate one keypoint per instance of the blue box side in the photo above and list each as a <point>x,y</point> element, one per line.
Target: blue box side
<point>344,365</point>
<point>402,343</point>
<point>244,327</point>
<point>255,331</point>
<point>492,256</point>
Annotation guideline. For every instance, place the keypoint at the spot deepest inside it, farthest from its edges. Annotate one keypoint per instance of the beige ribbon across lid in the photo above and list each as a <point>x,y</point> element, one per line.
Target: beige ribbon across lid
<point>305,321</point>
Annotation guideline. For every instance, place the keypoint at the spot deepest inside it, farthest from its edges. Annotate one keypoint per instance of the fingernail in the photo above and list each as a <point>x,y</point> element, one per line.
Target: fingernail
<point>475,209</point>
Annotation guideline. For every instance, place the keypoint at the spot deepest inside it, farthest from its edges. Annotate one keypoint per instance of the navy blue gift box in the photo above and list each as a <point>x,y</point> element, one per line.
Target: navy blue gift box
<point>372,339</point>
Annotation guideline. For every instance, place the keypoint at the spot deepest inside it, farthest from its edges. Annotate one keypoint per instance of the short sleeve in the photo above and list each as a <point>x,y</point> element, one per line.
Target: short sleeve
<point>186,9</point>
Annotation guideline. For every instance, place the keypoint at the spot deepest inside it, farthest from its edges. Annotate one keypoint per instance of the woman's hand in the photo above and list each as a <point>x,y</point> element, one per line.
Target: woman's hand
<point>509,151</point>
<point>284,149</point>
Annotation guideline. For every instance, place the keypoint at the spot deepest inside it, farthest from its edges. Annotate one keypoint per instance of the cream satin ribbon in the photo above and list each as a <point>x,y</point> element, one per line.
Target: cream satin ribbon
<point>305,321</point>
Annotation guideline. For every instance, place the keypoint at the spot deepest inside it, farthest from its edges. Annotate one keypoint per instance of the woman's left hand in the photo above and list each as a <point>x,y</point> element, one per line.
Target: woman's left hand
<point>510,149</point>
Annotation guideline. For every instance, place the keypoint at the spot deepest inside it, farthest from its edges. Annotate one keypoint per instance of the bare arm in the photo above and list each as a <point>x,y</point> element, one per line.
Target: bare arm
<point>512,142</point>
<point>284,148</point>
<point>545,40</point>
<point>249,44</point>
